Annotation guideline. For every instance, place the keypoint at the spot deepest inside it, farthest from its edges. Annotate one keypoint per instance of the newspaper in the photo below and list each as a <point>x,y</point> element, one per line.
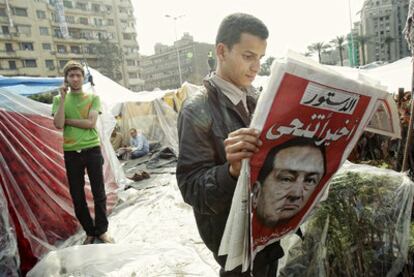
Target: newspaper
<point>309,119</point>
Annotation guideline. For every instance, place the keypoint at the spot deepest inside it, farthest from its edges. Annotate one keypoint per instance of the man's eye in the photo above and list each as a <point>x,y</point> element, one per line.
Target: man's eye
<point>285,179</point>
<point>311,181</point>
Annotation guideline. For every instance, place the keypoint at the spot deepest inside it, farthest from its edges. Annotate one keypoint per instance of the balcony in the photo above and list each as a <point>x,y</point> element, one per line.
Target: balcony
<point>27,54</point>
<point>135,82</point>
<point>8,54</point>
<point>9,72</point>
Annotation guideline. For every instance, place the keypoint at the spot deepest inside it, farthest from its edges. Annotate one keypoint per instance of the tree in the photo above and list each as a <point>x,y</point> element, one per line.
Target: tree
<point>387,41</point>
<point>339,43</point>
<point>110,59</point>
<point>318,47</point>
<point>363,40</point>
<point>265,67</point>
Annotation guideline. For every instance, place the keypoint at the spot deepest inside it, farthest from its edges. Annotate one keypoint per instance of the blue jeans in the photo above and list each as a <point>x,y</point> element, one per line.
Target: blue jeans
<point>138,153</point>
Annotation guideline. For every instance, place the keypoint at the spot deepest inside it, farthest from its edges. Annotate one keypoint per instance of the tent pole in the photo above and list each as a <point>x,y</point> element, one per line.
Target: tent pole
<point>405,164</point>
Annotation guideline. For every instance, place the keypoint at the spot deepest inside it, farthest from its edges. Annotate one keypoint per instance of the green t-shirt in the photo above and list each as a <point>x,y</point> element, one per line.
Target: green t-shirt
<point>78,106</point>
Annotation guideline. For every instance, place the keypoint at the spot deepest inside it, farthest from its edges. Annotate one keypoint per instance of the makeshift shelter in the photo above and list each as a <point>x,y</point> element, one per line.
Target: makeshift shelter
<point>153,112</point>
<point>32,172</point>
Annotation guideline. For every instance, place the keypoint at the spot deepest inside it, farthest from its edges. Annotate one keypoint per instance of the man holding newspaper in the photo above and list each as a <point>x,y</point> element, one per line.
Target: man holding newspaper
<point>214,138</point>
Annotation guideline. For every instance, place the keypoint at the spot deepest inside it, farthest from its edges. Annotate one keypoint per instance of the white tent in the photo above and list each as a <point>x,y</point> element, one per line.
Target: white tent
<point>391,76</point>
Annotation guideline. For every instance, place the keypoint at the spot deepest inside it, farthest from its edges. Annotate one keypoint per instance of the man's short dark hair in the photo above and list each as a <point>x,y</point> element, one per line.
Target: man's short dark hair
<point>234,25</point>
<point>297,141</point>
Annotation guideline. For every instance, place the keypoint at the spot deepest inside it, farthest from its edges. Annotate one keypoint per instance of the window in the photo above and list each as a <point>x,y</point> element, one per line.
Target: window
<point>62,63</point>
<point>9,47</point>
<point>24,29</point>
<point>96,7</point>
<point>54,17</point>
<point>86,35</point>
<point>12,65</point>
<point>5,30</point>
<point>75,49</point>
<point>49,64</point>
<point>98,22</point>
<point>83,20</point>
<point>44,31</point>
<point>3,12</point>
<point>110,22</point>
<point>28,46</point>
<point>89,49</point>
<point>70,19</point>
<point>57,33</point>
<point>41,14</point>
<point>132,75</point>
<point>74,33</point>
<point>67,4</point>
<point>130,62</point>
<point>19,11</point>
<point>61,48</point>
<point>81,6</point>
<point>30,63</point>
<point>127,36</point>
<point>46,46</point>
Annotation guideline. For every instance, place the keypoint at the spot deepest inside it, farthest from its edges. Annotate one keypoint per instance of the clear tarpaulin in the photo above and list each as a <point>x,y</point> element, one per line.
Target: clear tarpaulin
<point>9,256</point>
<point>362,229</point>
<point>33,177</point>
<point>155,118</point>
<point>155,235</point>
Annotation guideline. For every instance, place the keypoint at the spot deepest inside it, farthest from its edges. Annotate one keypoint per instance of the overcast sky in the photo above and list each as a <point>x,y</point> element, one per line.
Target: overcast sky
<point>293,24</point>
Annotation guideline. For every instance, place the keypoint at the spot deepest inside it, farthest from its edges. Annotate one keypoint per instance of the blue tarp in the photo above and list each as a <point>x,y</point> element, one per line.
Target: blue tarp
<point>30,85</point>
<point>27,86</point>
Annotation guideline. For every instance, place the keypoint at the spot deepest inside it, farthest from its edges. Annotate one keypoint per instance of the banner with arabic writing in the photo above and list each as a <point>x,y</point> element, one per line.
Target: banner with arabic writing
<point>312,120</point>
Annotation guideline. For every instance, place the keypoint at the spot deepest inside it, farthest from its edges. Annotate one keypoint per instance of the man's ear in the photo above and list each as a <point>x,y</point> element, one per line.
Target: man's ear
<point>255,194</point>
<point>221,51</point>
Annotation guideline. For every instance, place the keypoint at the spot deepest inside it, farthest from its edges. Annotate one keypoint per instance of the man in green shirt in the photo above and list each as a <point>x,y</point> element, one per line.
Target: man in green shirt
<point>76,113</point>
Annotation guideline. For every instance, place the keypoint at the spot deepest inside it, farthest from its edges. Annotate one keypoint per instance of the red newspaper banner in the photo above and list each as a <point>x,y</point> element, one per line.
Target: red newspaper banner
<point>308,128</point>
<point>310,117</point>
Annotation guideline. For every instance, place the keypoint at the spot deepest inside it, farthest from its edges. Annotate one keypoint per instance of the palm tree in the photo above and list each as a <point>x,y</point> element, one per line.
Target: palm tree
<point>307,54</point>
<point>339,43</point>
<point>363,40</point>
<point>318,47</point>
<point>387,41</point>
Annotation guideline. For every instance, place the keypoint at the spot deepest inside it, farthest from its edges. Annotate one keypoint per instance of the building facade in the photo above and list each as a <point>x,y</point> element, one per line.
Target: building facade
<point>38,37</point>
<point>382,23</point>
<point>161,70</point>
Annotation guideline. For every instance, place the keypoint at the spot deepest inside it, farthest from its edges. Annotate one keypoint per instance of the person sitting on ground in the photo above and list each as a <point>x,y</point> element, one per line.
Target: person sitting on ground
<point>139,144</point>
<point>116,139</point>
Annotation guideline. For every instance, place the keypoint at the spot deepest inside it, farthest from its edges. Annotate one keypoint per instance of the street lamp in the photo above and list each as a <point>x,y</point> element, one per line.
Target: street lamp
<point>175,18</point>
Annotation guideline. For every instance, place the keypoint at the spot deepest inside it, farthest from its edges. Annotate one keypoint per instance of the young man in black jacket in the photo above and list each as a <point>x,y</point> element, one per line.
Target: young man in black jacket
<point>214,136</point>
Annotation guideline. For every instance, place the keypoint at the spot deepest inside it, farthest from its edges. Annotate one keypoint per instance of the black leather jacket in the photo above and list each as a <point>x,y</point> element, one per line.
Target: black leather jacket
<point>203,175</point>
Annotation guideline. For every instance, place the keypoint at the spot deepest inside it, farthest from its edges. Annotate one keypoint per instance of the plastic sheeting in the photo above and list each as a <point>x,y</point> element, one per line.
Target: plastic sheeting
<point>33,176</point>
<point>362,229</point>
<point>392,76</point>
<point>9,256</point>
<point>155,235</point>
<point>156,119</point>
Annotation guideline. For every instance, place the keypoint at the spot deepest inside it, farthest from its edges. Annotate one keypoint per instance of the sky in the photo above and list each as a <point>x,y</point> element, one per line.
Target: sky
<point>292,24</point>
